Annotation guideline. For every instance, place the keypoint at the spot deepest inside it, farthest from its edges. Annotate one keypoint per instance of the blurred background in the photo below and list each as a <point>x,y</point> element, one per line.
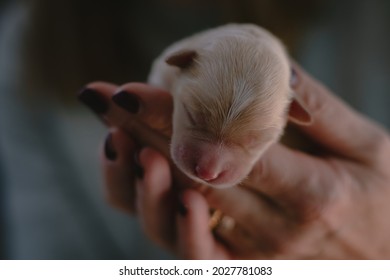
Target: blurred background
<point>51,194</point>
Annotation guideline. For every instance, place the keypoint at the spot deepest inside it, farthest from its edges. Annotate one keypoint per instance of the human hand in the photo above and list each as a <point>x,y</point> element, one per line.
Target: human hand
<point>328,206</point>
<point>293,205</point>
<point>147,118</point>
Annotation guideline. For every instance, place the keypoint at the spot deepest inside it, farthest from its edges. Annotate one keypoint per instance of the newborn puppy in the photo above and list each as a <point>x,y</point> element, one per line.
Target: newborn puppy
<point>232,99</point>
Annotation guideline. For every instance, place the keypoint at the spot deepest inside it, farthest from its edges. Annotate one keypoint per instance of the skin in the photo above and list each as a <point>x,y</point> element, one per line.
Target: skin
<point>293,205</point>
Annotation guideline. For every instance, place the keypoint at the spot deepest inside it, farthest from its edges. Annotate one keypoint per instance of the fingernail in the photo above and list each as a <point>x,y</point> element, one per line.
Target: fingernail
<point>138,170</point>
<point>109,150</point>
<point>128,101</point>
<point>182,209</point>
<point>93,100</point>
<point>293,77</point>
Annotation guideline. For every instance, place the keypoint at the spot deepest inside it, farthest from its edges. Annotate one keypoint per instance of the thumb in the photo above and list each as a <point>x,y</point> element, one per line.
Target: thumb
<point>335,125</point>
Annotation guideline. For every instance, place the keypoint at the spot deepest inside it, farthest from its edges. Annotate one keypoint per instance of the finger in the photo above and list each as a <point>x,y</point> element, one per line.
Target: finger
<point>195,239</point>
<point>336,126</point>
<point>285,189</point>
<point>151,105</point>
<point>243,205</point>
<point>96,96</point>
<point>155,198</point>
<point>118,170</point>
<point>129,123</point>
<point>141,133</point>
<point>297,182</point>
<point>235,238</point>
<point>134,103</point>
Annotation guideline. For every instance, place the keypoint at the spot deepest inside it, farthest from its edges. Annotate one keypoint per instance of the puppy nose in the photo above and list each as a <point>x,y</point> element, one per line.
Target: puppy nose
<point>206,174</point>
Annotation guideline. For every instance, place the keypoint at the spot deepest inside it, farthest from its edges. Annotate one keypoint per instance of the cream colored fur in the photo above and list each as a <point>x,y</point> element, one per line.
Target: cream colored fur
<point>233,97</point>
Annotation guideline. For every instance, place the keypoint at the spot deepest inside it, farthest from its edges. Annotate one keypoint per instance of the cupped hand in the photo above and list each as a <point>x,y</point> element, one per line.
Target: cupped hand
<point>328,206</point>
<point>292,205</point>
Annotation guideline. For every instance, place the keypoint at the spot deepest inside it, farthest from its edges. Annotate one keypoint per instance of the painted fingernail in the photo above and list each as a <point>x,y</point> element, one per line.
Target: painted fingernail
<point>109,150</point>
<point>128,101</point>
<point>138,170</point>
<point>93,100</point>
<point>293,77</point>
<point>182,209</point>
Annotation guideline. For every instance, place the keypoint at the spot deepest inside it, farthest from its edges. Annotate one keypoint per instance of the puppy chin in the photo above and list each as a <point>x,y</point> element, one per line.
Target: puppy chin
<point>218,183</point>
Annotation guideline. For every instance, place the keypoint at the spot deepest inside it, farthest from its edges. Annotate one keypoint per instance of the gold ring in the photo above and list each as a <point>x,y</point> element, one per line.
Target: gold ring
<point>220,221</point>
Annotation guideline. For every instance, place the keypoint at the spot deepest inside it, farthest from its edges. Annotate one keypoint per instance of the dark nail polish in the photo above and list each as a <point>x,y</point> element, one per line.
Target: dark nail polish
<point>109,150</point>
<point>293,77</point>
<point>128,101</point>
<point>93,100</point>
<point>138,170</point>
<point>182,209</point>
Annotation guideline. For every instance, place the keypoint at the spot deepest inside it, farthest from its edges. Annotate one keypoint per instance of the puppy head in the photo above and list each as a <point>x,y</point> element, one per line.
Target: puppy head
<point>231,103</point>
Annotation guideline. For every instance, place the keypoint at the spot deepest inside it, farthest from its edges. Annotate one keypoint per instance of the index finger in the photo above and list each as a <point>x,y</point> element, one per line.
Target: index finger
<point>151,105</point>
<point>140,130</point>
<point>136,101</point>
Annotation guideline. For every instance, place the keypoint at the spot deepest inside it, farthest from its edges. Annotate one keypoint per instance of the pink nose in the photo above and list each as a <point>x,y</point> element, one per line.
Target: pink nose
<point>206,174</point>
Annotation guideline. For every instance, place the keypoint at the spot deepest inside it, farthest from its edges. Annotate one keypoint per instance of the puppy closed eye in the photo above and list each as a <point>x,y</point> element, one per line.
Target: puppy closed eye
<point>252,141</point>
<point>262,137</point>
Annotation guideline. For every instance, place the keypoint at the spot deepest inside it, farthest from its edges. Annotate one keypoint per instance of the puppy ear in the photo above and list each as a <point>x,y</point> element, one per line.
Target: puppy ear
<point>298,113</point>
<point>182,59</point>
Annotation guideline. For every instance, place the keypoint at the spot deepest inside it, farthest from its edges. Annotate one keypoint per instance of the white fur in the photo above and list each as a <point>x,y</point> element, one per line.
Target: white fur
<point>237,92</point>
